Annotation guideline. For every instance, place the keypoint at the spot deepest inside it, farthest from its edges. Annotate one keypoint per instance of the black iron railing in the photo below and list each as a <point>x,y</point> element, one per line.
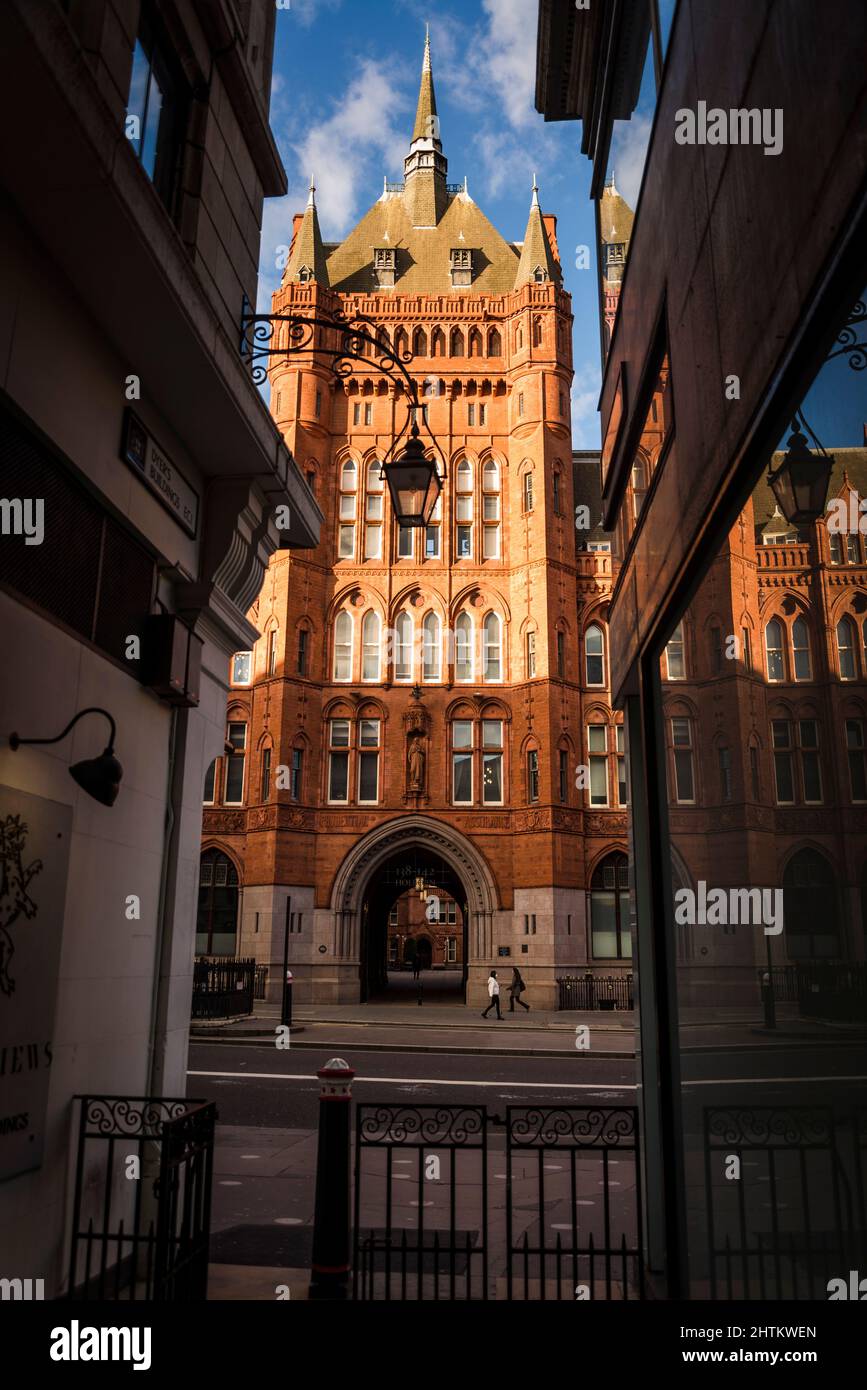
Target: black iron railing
<point>553,1155</point>
<point>448,1228</point>
<point>142,1199</point>
<point>436,1152</point>
<point>222,987</point>
<point>834,990</point>
<point>596,991</point>
<point>799,1220</point>
<point>260,982</point>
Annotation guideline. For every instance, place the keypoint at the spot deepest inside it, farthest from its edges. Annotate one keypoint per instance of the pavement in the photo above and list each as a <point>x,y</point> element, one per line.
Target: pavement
<point>456,1029</point>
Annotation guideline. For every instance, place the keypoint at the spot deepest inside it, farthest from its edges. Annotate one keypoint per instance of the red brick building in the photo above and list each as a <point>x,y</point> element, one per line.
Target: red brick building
<point>420,699</point>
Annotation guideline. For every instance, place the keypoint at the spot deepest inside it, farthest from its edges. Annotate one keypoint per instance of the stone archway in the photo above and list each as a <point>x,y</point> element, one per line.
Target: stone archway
<point>372,852</point>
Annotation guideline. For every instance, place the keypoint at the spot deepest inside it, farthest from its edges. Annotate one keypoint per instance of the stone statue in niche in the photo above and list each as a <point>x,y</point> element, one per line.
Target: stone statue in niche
<point>415,763</point>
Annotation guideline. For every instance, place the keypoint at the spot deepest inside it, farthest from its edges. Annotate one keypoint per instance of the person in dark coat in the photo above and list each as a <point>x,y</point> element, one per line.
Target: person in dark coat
<point>516,989</point>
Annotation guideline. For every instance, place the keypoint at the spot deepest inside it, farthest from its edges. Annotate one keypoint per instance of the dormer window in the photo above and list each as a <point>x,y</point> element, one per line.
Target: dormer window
<point>461,266</point>
<point>539,275</point>
<point>305,273</point>
<point>384,266</point>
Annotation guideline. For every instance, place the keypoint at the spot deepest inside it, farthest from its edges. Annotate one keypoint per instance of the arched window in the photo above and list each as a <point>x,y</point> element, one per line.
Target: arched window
<point>343,647</point>
<point>774,650</point>
<point>801,649</point>
<point>217,918</point>
<point>403,647</point>
<point>638,481</point>
<point>401,343</point>
<point>431,647</point>
<point>610,934</point>
<point>495,344</point>
<point>491,510</point>
<point>846,649</point>
<point>682,778</point>
<point>437,343</point>
<point>373,513</point>
<point>210,784</point>
<point>464,511</point>
<point>537,331</point>
<point>674,655</point>
<point>347,505</point>
<point>475,343</point>
<point>477,753</point>
<point>810,907</point>
<point>594,655</point>
<point>456,343</point>
<point>419,343</point>
<point>531,655</point>
<point>527,491</point>
<point>493,662</point>
<point>370,646</point>
<point>464,648</point>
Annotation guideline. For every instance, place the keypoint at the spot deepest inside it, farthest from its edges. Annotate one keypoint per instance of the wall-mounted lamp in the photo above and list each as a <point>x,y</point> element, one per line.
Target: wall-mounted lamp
<point>99,777</point>
<point>800,483</point>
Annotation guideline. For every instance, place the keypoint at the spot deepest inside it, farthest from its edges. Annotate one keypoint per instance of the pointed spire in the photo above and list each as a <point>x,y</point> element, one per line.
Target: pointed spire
<point>536,253</point>
<point>307,261</point>
<point>425,167</point>
<point>427,126</point>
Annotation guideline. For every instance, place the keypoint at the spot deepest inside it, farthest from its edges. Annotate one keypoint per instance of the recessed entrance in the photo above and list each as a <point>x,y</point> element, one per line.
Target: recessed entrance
<point>414,931</point>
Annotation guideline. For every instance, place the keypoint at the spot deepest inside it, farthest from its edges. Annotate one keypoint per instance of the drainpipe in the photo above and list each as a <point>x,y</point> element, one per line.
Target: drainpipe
<point>153,1085</point>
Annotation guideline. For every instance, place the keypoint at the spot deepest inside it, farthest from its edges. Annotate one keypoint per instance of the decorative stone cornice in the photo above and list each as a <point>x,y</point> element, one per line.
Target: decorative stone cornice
<point>240,535</point>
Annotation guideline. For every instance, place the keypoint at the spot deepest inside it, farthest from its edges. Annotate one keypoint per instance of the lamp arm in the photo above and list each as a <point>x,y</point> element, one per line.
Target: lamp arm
<point>15,740</point>
<point>818,443</point>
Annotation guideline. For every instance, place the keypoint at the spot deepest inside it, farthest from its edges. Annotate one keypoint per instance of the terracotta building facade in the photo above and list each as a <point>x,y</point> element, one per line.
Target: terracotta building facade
<point>428,704</point>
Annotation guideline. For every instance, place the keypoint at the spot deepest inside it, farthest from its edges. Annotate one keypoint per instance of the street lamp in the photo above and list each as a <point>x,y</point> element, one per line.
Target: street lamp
<point>414,483</point>
<point>800,483</point>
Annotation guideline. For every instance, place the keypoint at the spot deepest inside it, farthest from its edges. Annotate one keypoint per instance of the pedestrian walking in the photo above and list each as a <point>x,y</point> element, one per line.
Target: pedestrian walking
<point>494,993</point>
<point>516,989</point>
<point>416,967</point>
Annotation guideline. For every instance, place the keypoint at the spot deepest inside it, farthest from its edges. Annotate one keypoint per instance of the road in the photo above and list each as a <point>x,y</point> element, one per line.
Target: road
<point>265,1160</point>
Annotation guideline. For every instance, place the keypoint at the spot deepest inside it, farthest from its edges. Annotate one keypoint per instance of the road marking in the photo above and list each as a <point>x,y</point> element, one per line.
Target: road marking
<point>772,1080</point>
<point>530,1085</point>
<point>414,1081</point>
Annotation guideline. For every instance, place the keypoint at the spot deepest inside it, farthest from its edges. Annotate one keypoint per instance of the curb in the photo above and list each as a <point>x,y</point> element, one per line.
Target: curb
<point>434,1049</point>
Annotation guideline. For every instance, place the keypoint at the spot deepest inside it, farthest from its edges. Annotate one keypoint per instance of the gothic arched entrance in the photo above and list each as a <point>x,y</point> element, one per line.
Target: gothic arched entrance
<point>411,860</point>
<point>413,919</point>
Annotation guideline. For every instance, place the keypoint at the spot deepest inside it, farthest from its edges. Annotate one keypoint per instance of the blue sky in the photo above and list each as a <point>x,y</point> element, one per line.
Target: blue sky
<point>346,77</point>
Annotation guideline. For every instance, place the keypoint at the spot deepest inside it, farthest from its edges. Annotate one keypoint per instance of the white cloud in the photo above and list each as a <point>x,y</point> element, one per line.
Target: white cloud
<point>343,151</point>
<point>585,397</point>
<point>510,57</point>
<point>628,151</point>
<point>306,12</point>
<point>362,137</point>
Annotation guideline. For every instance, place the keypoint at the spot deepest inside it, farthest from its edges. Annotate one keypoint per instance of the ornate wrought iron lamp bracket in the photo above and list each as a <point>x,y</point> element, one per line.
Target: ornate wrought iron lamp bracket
<point>344,340</point>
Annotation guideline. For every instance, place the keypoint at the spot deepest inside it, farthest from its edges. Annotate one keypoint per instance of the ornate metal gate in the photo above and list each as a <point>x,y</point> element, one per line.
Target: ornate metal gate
<point>404,1258</point>
<point>596,1253</point>
<point>453,1203</point>
<point>800,1219</point>
<point>142,1200</point>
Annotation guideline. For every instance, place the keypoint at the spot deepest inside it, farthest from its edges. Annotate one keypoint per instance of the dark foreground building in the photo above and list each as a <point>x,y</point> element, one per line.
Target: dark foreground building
<point>734,330</point>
